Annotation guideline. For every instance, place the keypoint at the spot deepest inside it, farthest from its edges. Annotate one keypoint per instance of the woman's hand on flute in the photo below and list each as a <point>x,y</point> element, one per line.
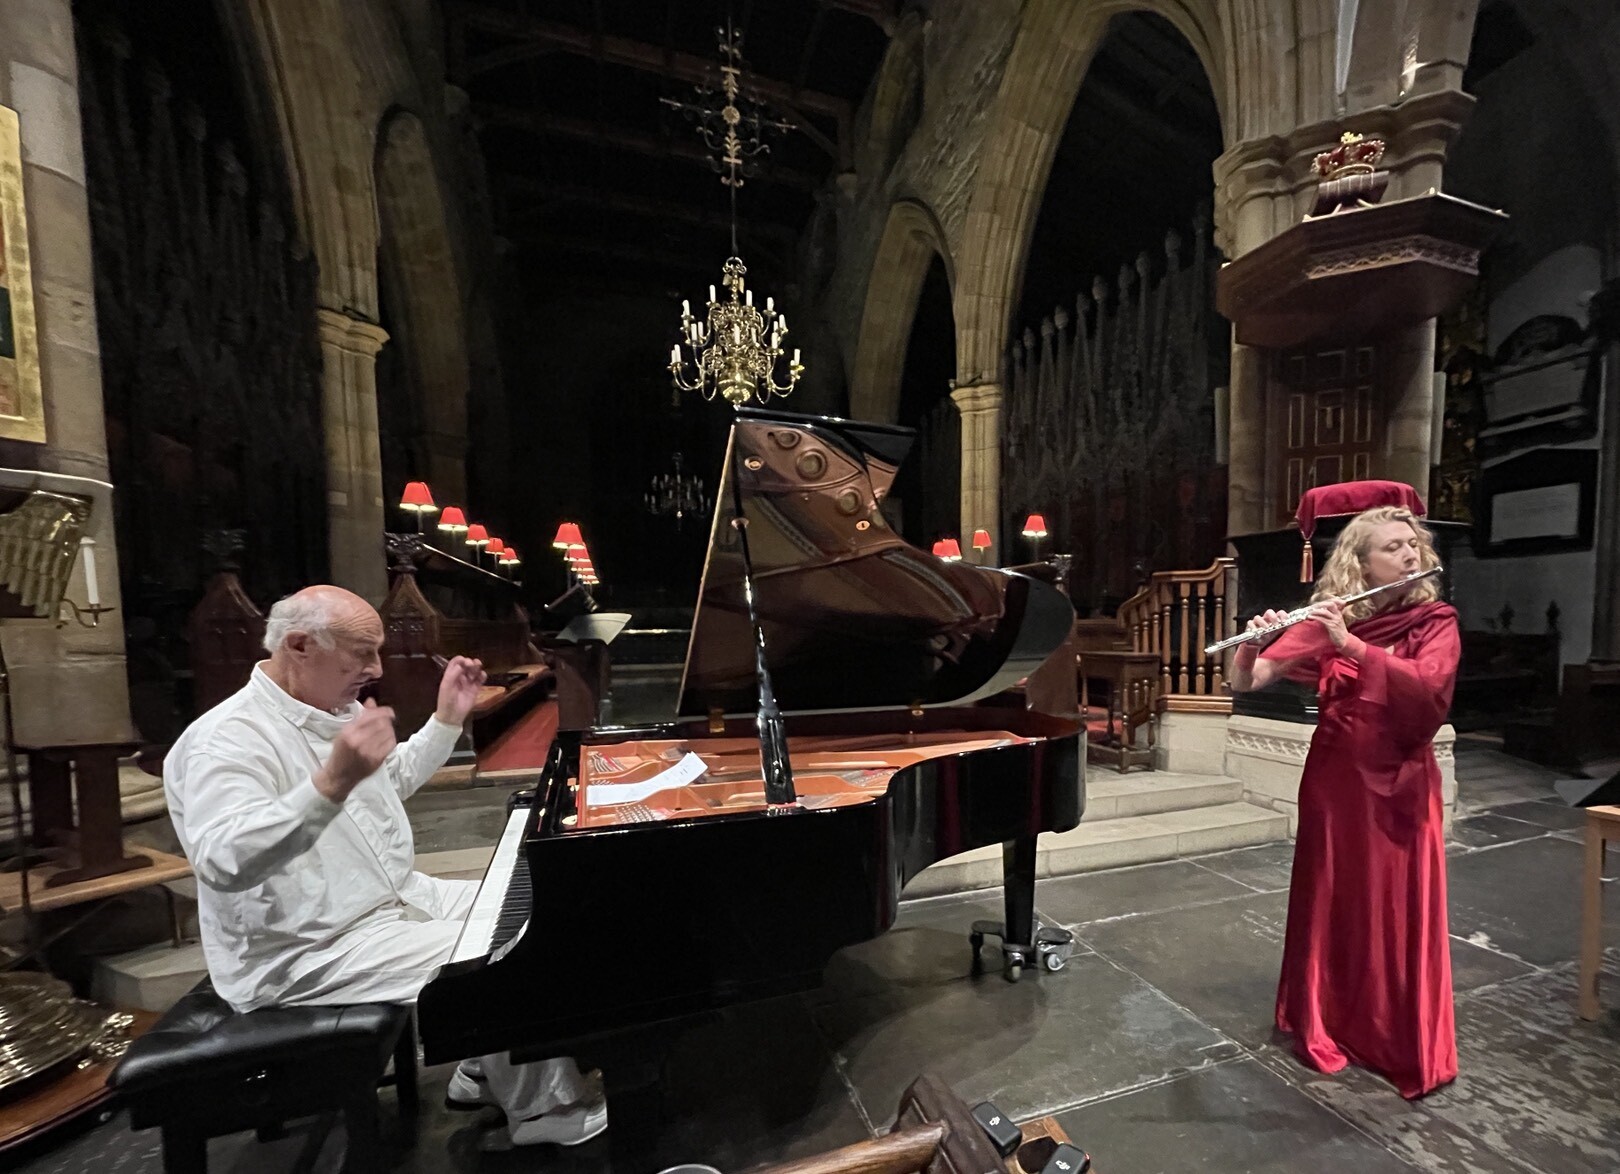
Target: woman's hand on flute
<point>1330,614</point>
<point>1264,620</point>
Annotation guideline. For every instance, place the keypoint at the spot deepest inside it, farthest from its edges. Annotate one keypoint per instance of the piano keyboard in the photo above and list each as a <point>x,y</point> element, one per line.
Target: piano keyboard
<point>502,904</point>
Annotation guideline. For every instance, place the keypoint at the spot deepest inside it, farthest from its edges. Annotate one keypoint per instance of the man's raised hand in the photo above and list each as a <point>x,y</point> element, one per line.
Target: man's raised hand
<point>458,689</point>
<point>358,751</point>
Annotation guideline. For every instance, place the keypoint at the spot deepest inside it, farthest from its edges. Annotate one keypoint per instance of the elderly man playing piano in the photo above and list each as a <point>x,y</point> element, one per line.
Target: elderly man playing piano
<point>288,798</point>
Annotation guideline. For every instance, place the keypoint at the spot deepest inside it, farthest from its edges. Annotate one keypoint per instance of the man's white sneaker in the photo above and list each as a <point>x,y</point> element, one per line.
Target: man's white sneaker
<point>466,1093</point>
<point>574,1125</point>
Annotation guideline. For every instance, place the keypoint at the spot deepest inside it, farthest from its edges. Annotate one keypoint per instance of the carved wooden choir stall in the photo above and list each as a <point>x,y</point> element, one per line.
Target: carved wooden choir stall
<point>438,607</point>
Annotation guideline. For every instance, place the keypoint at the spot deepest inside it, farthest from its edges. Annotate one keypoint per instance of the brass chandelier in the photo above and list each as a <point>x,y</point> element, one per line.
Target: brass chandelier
<point>735,347</point>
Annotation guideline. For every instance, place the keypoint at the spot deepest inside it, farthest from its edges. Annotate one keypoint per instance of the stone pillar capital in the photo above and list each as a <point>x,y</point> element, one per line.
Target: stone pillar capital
<point>347,333</point>
<point>973,398</point>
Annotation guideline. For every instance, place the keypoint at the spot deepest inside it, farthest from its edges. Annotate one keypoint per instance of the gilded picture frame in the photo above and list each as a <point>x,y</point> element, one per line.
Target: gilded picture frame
<point>22,400</point>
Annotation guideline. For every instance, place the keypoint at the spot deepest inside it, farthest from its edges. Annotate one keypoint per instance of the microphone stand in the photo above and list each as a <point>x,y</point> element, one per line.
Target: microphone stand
<point>773,752</point>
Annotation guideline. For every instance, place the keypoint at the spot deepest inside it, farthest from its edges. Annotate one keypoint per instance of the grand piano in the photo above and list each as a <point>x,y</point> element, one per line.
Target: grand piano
<point>646,881</point>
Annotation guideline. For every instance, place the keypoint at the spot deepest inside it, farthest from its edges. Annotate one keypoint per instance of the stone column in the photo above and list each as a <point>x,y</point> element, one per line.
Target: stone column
<point>355,510</point>
<point>980,405</point>
<point>1408,382</point>
<point>1248,500</point>
<point>69,684</point>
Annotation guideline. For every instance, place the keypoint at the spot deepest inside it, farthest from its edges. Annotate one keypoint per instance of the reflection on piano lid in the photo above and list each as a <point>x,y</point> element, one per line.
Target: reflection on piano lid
<point>853,616</point>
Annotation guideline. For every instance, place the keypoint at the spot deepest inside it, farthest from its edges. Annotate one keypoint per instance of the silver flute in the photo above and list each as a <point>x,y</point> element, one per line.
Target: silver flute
<point>1299,615</point>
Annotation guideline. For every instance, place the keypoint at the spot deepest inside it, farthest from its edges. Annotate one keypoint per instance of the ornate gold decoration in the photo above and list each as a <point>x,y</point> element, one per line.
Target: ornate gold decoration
<point>22,400</point>
<point>735,348</point>
<point>39,540</point>
<point>43,1027</point>
<point>1355,155</point>
<point>735,351</point>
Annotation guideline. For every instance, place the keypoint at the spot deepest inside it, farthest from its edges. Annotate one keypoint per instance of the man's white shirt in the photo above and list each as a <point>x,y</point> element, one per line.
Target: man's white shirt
<point>290,883</point>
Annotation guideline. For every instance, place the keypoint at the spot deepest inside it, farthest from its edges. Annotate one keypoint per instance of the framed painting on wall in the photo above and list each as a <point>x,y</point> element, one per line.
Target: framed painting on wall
<point>22,402</point>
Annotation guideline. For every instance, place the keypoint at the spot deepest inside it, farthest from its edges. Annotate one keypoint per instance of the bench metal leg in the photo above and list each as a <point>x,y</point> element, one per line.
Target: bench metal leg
<point>405,1074</point>
<point>364,1152</point>
<point>185,1151</point>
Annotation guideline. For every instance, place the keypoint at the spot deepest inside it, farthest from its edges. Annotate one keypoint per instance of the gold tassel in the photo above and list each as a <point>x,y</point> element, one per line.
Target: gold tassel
<point>1307,564</point>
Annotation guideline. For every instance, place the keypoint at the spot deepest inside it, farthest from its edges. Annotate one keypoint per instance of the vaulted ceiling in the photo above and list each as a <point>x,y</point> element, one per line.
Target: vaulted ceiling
<point>596,178</point>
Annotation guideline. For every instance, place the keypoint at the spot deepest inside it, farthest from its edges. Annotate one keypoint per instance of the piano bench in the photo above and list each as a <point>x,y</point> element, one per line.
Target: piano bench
<point>203,1070</point>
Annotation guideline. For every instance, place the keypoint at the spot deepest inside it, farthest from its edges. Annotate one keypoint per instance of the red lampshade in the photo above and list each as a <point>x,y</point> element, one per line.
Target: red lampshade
<point>509,556</point>
<point>576,553</point>
<point>567,535</point>
<point>981,540</point>
<point>950,550</point>
<point>417,498</point>
<point>477,535</point>
<point>938,550</point>
<point>494,546</point>
<point>1035,526</point>
<point>453,520</point>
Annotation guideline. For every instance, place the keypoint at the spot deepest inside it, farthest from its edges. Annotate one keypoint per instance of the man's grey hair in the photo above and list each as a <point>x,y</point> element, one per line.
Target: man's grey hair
<point>308,614</point>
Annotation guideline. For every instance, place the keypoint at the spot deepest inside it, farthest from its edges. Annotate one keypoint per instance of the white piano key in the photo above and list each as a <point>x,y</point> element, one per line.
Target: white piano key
<point>479,928</point>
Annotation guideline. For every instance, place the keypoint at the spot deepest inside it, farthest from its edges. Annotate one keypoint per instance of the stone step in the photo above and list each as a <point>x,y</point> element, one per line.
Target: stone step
<point>1115,796</point>
<point>1113,843</point>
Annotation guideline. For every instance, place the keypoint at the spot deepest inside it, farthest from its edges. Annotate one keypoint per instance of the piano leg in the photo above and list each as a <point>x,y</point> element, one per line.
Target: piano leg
<point>1024,940</point>
<point>1018,890</point>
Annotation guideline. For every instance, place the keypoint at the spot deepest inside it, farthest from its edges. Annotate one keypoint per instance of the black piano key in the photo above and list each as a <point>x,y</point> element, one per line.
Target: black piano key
<point>515,906</point>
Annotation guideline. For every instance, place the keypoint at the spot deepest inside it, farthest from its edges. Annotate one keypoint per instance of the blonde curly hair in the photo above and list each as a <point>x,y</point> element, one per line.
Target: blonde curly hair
<point>1346,571</point>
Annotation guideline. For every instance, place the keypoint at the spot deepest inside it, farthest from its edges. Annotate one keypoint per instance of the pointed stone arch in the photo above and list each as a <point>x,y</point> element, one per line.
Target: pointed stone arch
<point>911,239</point>
<point>1055,44</point>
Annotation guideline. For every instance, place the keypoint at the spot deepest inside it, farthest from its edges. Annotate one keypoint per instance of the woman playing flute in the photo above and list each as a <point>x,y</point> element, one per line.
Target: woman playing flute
<point>1366,973</point>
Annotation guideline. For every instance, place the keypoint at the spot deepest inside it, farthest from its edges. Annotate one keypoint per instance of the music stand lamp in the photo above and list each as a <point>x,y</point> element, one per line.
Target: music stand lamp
<point>981,542</point>
<point>453,522</point>
<point>1035,530</point>
<point>417,499</point>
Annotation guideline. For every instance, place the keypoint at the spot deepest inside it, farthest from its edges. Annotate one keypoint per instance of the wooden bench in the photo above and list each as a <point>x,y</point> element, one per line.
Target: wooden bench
<point>1602,825</point>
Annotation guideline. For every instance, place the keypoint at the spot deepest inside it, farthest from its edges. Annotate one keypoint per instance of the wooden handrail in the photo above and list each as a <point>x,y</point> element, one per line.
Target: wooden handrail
<point>1174,617</point>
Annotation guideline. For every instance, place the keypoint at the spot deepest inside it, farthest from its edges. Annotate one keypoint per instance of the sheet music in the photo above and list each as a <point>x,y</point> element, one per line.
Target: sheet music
<point>688,770</point>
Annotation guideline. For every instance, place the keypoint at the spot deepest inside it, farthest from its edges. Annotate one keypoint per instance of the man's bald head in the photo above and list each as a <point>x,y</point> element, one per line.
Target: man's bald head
<point>325,645</point>
<point>322,612</point>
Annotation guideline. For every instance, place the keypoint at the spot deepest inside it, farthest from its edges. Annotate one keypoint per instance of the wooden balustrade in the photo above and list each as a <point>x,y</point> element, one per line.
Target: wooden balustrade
<point>1175,617</point>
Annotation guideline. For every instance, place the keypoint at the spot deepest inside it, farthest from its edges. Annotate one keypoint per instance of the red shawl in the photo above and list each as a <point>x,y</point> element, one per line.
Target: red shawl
<point>1417,681</point>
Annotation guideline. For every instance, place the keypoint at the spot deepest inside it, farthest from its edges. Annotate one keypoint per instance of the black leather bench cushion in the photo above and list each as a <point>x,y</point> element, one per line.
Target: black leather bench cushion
<point>201,1035</point>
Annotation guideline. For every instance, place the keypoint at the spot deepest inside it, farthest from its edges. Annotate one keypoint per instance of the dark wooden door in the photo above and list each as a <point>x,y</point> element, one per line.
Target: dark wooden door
<point>1328,420</point>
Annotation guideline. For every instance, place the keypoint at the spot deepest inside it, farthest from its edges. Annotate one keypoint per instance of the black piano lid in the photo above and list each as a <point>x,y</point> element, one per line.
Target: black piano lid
<point>853,617</point>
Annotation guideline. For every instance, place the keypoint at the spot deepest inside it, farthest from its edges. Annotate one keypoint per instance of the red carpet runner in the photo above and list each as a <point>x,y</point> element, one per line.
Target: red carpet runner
<point>525,745</point>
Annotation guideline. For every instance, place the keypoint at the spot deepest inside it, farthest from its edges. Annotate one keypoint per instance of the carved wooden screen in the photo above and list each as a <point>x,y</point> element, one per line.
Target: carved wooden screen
<point>210,362</point>
<point>1328,420</point>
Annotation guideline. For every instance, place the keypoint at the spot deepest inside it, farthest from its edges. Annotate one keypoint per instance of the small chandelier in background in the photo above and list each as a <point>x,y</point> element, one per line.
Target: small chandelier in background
<point>735,348</point>
<point>677,494</point>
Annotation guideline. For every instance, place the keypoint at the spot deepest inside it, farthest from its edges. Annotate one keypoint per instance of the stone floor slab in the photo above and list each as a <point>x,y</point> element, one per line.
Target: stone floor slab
<point>1488,830</point>
<point>1126,892</point>
<point>1031,1047</point>
<point>1220,962</point>
<point>1521,899</point>
<point>1237,1116</point>
<point>1265,868</point>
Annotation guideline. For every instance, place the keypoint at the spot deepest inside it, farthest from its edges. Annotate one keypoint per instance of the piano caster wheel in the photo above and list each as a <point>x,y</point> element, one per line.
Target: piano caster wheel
<point>1053,946</point>
<point>1014,972</point>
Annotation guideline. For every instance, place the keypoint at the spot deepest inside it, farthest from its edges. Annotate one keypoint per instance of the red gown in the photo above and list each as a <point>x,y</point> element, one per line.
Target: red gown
<point>1366,973</point>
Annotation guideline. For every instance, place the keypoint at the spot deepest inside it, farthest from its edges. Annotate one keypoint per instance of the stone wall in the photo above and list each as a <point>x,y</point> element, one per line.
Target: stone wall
<point>68,684</point>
